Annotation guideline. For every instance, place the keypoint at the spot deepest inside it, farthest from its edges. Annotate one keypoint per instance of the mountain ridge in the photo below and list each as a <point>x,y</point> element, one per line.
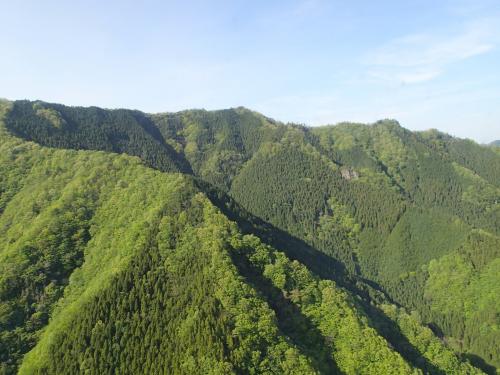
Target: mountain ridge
<point>285,184</point>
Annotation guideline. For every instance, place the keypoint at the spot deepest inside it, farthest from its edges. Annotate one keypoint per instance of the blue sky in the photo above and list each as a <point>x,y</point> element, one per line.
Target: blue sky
<point>426,63</point>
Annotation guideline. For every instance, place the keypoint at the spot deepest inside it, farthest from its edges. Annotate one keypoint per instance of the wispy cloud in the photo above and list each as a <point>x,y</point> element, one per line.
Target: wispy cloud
<point>327,108</point>
<point>422,57</point>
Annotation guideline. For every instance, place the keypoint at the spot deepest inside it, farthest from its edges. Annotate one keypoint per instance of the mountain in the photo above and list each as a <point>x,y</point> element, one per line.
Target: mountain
<point>227,242</point>
<point>495,143</point>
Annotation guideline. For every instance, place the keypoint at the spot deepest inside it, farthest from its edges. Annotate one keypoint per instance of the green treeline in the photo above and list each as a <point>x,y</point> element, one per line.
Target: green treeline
<point>412,217</point>
<point>122,131</point>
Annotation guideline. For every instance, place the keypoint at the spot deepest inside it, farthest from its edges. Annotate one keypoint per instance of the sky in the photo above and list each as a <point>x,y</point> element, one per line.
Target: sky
<point>426,63</point>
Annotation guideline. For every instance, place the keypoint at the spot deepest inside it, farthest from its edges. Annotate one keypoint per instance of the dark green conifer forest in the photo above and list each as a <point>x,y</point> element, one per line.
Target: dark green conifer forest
<point>225,242</point>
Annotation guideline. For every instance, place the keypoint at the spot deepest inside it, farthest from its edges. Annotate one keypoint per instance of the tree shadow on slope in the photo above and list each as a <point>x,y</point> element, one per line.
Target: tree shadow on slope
<point>120,130</point>
<point>323,266</point>
<point>480,363</point>
<point>297,327</point>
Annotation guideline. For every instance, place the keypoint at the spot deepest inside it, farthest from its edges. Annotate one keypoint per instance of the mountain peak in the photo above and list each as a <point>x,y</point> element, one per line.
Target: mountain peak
<point>284,247</point>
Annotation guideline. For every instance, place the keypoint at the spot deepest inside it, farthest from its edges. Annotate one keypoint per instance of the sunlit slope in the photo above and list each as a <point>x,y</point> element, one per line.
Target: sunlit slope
<point>63,210</point>
<point>399,210</point>
<point>113,266</point>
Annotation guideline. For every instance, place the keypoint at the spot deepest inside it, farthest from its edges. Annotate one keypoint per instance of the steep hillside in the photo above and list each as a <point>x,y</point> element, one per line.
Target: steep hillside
<point>157,280</point>
<point>146,270</point>
<point>382,200</point>
<point>125,131</point>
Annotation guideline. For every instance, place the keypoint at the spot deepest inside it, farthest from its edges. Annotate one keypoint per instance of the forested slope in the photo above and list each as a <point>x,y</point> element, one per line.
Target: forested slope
<point>386,202</point>
<point>93,128</point>
<point>157,280</point>
<point>406,217</point>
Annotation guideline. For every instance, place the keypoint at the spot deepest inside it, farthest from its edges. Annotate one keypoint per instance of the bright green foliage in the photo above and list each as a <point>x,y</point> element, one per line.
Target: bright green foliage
<point>389,214</point>
<point>126,131</point>
<point>477,190</point>
<point>58,204</point>
<point>140,250</point>
<point>481,160</point>
<point>218,143</point>
<point>354,345</point>
<point>49,114</point>
<point>427,343</point>
<point>178,307</point>
<point>418,237</point>
<point>466,287</point>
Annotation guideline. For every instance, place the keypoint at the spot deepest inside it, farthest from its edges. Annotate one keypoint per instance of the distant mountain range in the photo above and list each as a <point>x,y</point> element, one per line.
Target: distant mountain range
<point>227,242</point>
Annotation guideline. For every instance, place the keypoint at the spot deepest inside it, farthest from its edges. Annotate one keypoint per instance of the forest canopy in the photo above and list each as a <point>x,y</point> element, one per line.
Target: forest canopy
<point>227,242</point>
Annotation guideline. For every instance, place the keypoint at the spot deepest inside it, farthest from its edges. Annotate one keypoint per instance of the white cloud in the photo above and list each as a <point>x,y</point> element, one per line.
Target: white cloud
<point>404,76</point>
<point>422,57</point>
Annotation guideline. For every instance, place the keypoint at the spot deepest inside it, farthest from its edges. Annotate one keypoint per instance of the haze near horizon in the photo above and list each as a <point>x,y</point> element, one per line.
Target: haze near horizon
<point>316,62</point>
